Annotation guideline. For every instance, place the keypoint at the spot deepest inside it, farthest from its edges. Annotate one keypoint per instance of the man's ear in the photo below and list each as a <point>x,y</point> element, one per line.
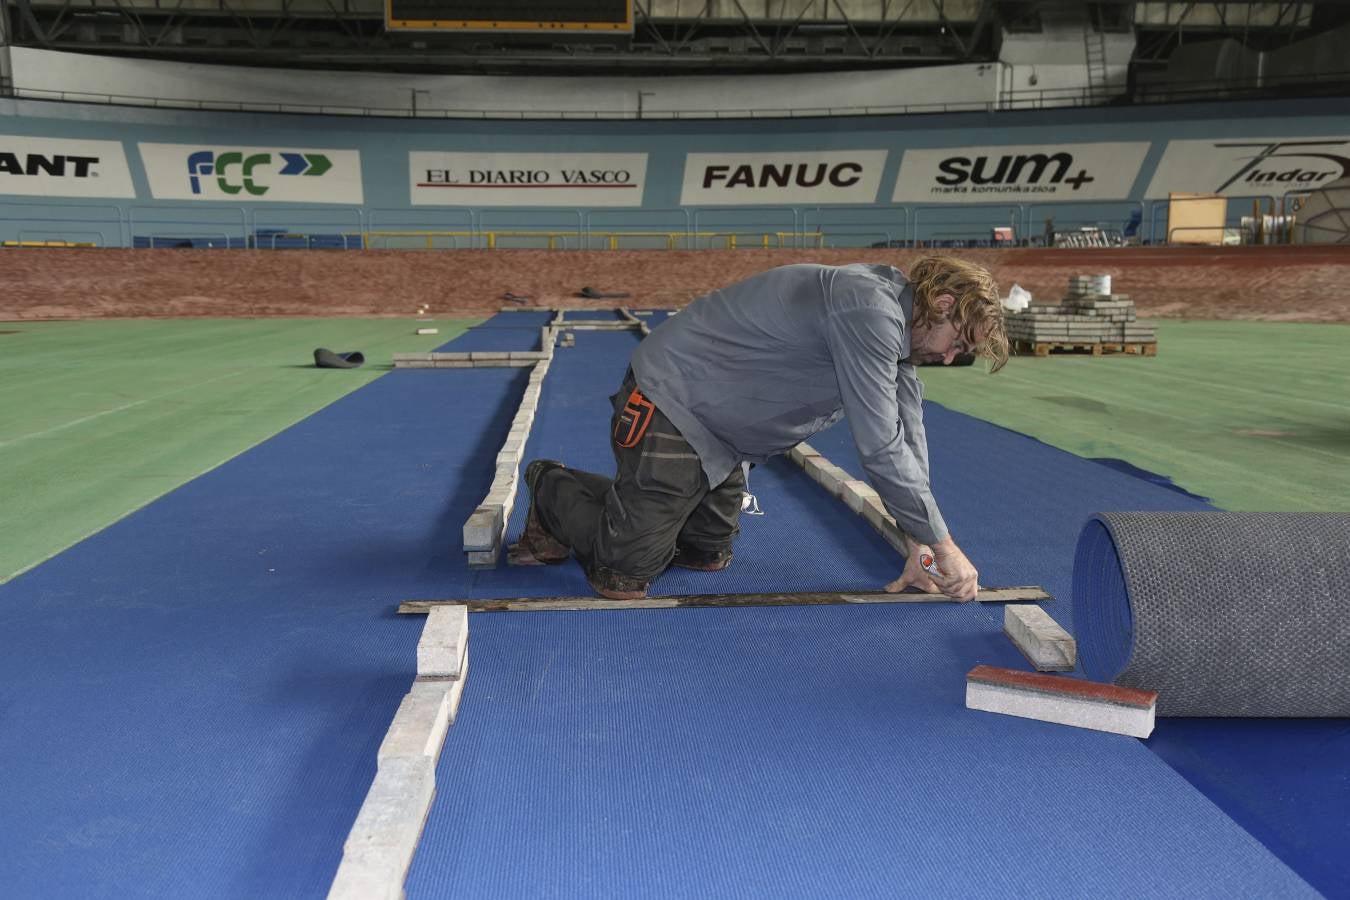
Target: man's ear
<point>944,303</point>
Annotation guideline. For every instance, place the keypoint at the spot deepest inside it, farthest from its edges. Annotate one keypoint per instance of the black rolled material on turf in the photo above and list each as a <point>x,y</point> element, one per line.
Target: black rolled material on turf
<point>1221,613</point>
<point>327,359</point>
<point>591,293</point>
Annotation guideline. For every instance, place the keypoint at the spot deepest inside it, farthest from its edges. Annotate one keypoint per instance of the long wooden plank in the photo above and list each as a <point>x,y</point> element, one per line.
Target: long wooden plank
<point>535,604</point>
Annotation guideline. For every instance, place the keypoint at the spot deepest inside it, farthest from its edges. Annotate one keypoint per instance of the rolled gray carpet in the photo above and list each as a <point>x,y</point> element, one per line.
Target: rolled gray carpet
<point>1221,613</point>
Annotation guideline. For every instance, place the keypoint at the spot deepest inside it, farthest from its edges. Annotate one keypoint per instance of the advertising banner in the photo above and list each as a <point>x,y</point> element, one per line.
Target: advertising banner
<point>1043,173</point>
<point>58,167</point>
<point>278,174</point>
<point>1250,167</point>
<point>759,179</point>
<point>526,179</point>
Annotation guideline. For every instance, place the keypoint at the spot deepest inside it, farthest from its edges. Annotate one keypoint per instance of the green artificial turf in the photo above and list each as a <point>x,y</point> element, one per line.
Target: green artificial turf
<point>98,418</point>
<point>1253,415</point>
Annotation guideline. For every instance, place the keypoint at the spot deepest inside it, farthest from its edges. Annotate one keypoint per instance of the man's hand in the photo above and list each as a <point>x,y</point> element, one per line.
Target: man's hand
<point>914,574</point>
<point>958,578</point>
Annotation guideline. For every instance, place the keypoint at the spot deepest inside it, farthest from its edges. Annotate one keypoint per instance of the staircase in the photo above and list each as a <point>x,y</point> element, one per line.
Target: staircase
<point>1094,48</point>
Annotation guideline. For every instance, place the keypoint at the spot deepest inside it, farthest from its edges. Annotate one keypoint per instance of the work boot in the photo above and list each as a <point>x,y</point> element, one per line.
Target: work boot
<point>702,560</point>
<point>536,544</point>
<point>613,585</point>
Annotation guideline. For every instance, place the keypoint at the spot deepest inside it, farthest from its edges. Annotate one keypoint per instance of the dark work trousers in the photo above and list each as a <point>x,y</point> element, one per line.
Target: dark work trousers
<point>657,500</point>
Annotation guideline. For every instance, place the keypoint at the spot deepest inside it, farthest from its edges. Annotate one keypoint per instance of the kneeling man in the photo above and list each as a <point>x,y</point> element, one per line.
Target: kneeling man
<point>752,370</point>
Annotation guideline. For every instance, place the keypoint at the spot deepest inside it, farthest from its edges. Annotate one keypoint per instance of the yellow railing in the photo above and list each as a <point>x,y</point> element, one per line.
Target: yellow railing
<point>611,239</point>
<point>60,244</point>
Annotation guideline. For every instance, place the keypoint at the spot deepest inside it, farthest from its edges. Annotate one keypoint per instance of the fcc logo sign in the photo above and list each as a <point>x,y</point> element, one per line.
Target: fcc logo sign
<point>253,174</point>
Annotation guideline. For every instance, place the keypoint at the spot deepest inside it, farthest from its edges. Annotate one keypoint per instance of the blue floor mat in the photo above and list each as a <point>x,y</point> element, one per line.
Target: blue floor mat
<point>1287,781</point>
<point>191,700</point>
<point>578,757</point>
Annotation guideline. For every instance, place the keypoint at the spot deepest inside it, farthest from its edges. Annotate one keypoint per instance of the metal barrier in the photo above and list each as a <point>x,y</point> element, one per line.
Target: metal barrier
<point>307,223</point>
<point>447,220</point>
<point>1224,231</point>
<point>523,224</point>
<point>607,240</point>
<point>634,240</point>
<point>175,241</point>
<point>27,238</point>
<point>630,220</point>
<point>311,241</point>
<point>892,225</point>
<point>23,244</point>
<point>431,240</point>
<point>1015,215</point>
<point>1051,210</point>
<point>60,215</point>
<point>200,216</point>
<point>1165,204</point>
<point>1093,224</point>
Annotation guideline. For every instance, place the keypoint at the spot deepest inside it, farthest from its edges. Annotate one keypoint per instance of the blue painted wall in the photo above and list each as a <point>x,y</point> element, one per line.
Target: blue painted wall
<point>385,143</point>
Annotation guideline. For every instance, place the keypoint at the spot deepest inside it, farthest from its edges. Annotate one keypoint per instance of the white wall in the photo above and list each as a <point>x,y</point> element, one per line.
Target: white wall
<point>1049,62</point>
<point>45,70</point>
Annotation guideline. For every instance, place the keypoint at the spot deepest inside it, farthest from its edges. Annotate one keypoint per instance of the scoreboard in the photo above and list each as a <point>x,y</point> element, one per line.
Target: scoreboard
<point>530,16</point>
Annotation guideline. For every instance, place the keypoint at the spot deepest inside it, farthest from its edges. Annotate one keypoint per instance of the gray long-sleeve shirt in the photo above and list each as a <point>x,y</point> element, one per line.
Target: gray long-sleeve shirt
<point>753,369</point>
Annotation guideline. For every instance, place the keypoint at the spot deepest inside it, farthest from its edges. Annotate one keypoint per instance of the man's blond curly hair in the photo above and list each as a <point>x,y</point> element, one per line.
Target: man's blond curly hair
<point>977,312</point>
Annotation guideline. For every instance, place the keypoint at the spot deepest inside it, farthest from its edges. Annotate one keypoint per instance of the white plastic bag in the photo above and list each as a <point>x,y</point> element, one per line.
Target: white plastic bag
<point>1018,298</point>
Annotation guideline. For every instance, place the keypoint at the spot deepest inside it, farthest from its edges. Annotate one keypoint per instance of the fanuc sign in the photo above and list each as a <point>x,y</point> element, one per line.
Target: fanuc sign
<point>1251,167</point>
<point>1040,172</point>
<point>753,179</point>
<point>526,179</point>
<point>55,167</point>
<point>254,174</point>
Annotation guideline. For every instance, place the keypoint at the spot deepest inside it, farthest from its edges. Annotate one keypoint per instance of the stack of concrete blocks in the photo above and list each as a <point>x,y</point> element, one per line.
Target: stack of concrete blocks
<point>1090,296</point>
<point>1052,325</point>
<point>859,495</point>
<point>485,531</point>
<point>380,847</point>
<point>476,359</point>
<point>1088,315</point>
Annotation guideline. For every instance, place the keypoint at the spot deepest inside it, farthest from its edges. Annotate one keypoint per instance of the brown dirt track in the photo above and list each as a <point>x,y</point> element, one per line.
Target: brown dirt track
<point>1290,284</point>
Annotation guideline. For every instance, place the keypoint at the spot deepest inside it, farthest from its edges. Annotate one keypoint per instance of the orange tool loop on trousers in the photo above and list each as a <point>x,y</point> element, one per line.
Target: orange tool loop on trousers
<point>636,416</point>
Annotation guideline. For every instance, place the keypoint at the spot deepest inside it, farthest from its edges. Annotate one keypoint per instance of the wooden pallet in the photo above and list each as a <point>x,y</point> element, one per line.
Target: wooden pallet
<point>1136,348</point>
<point>1096,348</point>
